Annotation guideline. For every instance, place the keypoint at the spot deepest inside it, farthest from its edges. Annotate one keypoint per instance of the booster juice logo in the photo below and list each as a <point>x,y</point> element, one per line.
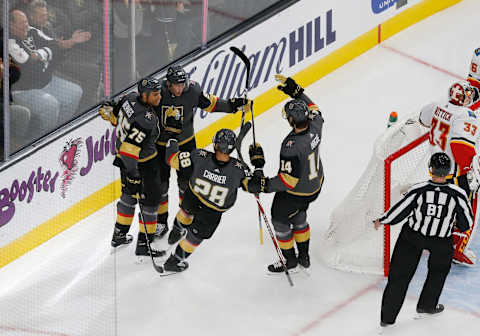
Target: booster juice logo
<point>69,162</point>
<point>41,179</point>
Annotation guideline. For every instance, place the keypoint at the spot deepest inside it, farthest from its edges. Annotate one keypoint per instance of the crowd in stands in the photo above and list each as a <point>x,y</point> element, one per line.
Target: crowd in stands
<point>56,53</point>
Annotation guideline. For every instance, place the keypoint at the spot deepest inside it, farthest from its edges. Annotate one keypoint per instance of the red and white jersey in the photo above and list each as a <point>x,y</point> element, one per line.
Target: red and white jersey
<point>474,78</point>
<point>454,130</point>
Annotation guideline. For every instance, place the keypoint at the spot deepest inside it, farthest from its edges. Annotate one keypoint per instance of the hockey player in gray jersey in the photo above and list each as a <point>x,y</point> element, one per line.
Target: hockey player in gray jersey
<point>137,130</point>
<point>299,179</point>
<point>180,98</point>
<point>214,178</point>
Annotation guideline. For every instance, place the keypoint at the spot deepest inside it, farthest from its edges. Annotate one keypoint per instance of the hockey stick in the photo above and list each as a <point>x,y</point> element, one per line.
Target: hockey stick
<point>245,61</point>
<point>247,64</point>
<point>270,231</point>
<point>238,146</point>
<point>157,268</point>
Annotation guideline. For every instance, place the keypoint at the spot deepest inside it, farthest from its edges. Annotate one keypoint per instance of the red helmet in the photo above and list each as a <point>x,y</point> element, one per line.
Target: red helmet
<point>460,93</point>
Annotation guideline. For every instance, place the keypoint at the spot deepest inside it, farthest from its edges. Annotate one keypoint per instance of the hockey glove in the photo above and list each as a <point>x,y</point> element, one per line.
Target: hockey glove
<point>106,111</point>
<point>257,184</point>
<point>172,145</point>
<point>473,174</point>
<point>289,86</point>
<point>257,158</point>
<point>133,186</point>
<point>236,103</point>
<point>173,121</point>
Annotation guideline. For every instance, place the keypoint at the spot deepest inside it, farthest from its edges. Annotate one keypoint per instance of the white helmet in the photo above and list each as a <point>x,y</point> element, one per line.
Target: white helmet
<point>460,93</point>
<point>475,65</point>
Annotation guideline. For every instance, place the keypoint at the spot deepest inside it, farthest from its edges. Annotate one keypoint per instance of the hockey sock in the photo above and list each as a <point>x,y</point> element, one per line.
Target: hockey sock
<point>149,215</point>
<point>162,214</point>
<point>183,219</point>
<point>302,238</point>
<point>125,210</point>
<point>122,228</point>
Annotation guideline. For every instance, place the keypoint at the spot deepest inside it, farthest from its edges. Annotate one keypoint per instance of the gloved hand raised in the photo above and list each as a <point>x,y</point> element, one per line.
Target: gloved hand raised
<point>257,158</point>
<point>106,111</point>
<point>289,86</point>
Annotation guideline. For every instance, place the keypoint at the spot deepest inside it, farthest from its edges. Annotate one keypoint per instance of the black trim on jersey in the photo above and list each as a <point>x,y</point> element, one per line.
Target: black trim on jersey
<point>464,139</point>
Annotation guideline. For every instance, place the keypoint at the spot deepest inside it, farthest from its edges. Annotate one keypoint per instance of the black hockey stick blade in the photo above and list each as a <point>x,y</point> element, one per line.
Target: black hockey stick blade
<point>245,60</point>
<point>238,144</point>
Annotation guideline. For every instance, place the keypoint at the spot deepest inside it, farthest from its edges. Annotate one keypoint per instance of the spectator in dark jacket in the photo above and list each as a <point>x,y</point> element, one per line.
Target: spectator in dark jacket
<point>51,99</point>
<point>19,115</point>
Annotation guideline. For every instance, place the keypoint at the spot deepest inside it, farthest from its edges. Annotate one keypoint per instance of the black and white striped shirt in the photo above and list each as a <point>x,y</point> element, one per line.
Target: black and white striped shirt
<point>432,209</point>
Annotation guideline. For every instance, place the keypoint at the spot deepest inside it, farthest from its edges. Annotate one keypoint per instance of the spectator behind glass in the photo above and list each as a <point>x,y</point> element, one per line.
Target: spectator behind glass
<point>38,17</point>
<point>19,115</point>
<point>61,19</point>
<point>122,59</point>
<point>51,99</point>
<point>188,27</point>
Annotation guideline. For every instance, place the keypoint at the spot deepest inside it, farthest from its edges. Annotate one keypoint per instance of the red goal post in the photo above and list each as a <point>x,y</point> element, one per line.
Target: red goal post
<point>399,160</point>
<point>388,171</point>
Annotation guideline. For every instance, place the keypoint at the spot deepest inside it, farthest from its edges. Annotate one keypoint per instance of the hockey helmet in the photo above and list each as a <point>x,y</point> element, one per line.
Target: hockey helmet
<point>475,65</point>
<point>440,164</point>
<point>177,75</point>
<point>147,85</point>
<point>297,109</point>
<point>224,140</point>
<point>461,93</point>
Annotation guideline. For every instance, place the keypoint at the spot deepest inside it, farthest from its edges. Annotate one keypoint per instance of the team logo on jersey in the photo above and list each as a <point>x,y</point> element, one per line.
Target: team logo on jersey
<point>148,115</point>
<point>238,165</point>
<point>477,52</point>
<point>471,114</point>
<point>172,111</point>
<point>202,153</point>
<point>290,143</point>
<point>69,162</point>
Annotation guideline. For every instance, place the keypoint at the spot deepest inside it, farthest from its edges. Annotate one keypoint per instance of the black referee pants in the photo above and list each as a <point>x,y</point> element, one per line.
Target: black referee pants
<point>406,256</point>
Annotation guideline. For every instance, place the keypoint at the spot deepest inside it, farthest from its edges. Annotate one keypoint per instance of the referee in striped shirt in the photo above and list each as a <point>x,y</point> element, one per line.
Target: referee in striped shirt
<point>430,210</point>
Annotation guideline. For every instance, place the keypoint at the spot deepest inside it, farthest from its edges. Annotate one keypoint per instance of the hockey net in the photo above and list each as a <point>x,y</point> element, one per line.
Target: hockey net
<point>399,160</point>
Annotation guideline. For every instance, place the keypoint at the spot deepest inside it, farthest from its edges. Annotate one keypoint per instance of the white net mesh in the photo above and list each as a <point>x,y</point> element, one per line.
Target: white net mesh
<point>352,244</point>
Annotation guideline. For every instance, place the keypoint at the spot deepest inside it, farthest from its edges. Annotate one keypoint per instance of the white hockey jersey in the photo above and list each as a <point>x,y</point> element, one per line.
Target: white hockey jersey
<point>454,130</point>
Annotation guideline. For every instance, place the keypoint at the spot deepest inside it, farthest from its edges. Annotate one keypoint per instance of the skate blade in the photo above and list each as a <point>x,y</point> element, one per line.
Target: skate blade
<point>305,271</point>
<point>168,273</point>
<point>290,271</point>
<point>119,247</point>
<point>421,316</point>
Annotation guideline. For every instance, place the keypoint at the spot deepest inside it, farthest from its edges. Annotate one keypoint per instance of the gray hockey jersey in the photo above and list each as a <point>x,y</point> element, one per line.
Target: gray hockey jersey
<point>214,183</point>
<point>301,171</point>
<point>137,131</point>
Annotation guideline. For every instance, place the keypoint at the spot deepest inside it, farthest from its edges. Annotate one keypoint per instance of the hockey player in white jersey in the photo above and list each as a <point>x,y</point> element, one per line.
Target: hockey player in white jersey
<point>454,129</point>
<point>474,78</point>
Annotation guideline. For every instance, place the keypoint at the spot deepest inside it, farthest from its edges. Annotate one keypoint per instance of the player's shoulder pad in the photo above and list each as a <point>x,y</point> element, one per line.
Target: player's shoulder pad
<point>200,153</point>
<point>289,145</point>
<point>471,114</point>
<point>241,166</point>
<point>194,87</point>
